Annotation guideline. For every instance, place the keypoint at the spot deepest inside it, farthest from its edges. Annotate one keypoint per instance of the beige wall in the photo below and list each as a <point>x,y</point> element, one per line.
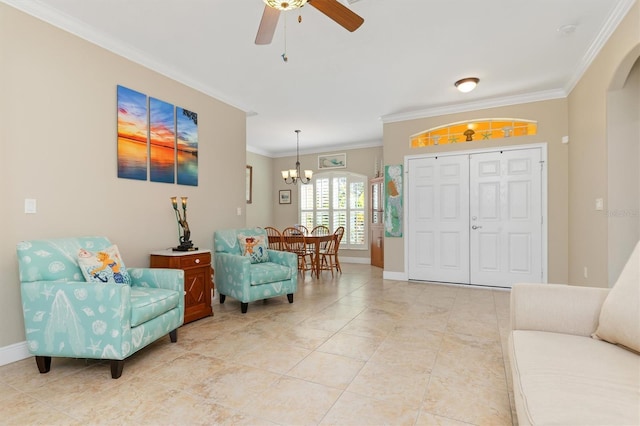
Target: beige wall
<point>58,145</point>
<point>360,161</point>
<point>260,211</point>
<point>588,180</point>
<point>552,126</point>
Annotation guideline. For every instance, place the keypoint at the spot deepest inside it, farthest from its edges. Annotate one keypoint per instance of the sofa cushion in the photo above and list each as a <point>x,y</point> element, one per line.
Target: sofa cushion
<point>104,265</point>
<point>148,303</point>
<point>620,314</point>
<point>269,272</point>
<point>573,380</point>
<point>254,247</point>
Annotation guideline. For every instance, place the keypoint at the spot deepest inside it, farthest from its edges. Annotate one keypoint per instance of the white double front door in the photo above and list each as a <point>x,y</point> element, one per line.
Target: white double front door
<point>476,218</point>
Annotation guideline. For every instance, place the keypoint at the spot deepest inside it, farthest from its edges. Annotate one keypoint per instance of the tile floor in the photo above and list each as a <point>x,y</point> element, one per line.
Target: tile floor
<point>354,350</point>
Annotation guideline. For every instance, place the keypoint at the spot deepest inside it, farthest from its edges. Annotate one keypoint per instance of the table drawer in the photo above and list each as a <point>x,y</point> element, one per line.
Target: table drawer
<point>194,260</point>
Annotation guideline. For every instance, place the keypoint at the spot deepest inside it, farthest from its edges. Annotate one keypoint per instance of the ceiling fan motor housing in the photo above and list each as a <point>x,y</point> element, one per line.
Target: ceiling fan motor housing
<point>285,5</point>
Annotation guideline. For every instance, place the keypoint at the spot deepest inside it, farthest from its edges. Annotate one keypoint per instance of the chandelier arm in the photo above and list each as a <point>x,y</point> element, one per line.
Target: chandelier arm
<point>288,177</point>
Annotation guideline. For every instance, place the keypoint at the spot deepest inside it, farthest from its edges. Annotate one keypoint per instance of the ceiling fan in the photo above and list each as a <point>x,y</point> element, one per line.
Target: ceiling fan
<point>332,8</point>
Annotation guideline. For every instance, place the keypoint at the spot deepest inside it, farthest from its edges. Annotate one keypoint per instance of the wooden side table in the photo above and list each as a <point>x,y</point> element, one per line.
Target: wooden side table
<point>197,279</point>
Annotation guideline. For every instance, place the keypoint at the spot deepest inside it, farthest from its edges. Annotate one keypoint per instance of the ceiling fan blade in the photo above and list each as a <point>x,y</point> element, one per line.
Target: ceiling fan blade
<point>268,25</point>
<point>339,13</point>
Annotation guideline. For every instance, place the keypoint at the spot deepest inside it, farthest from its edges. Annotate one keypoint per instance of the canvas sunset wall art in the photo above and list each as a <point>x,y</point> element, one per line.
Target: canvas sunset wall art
<point>162,141</point>
<point>187,147</point>
<point>155,135</point>
<point>132,134</point>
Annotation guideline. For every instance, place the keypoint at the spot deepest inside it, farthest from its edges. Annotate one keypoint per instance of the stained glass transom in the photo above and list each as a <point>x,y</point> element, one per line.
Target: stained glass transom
<point>474,130</point>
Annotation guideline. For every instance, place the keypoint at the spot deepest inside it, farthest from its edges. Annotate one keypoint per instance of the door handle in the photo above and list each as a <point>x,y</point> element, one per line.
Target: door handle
<point>476,227</point>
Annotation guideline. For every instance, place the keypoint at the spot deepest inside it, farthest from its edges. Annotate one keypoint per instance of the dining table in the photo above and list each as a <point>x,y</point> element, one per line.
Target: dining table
<point>316,241</point>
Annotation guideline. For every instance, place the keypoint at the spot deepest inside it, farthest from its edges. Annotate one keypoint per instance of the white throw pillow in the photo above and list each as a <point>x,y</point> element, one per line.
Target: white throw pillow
<point>620,315</point>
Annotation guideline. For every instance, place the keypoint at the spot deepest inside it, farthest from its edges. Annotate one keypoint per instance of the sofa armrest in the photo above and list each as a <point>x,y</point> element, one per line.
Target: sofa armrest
<point>68,318</point>
<point>556,308</point>
<point>284,258</point>
<point>232,271</point>
<point>168,279</point>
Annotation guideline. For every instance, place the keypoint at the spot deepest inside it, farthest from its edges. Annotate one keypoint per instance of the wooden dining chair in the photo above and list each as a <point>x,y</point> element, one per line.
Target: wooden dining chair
<point>329,257</point>
<point>275,238</point>
<point>321,230</point>
<point>295,242</point>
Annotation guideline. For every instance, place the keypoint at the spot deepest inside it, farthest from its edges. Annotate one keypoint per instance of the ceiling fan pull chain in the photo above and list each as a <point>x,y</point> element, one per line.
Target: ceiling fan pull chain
<point>284,55</point>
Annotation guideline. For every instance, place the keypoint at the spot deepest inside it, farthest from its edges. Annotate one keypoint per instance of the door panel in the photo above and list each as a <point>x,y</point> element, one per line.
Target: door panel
<point>476,218</point>
<point>439,216</point>
<point>506,217</point>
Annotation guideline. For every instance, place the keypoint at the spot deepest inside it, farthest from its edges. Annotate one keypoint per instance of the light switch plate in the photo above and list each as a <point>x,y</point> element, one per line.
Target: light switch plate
<point>599,204</point>
<point>30,205</point>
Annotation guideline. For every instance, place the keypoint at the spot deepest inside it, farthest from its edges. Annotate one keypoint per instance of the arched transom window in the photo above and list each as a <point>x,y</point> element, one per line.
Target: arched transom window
<point>474,130</point>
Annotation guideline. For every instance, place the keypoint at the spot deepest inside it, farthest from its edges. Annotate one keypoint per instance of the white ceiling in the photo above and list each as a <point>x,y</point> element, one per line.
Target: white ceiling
<point>339,87</point>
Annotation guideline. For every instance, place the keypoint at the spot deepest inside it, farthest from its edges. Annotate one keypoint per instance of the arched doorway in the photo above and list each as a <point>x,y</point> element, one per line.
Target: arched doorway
<point>623,142</point>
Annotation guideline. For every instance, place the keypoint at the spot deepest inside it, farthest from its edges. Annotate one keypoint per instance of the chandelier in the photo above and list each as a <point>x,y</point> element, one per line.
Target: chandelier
<point>293,176</point>
<point>285,5</point>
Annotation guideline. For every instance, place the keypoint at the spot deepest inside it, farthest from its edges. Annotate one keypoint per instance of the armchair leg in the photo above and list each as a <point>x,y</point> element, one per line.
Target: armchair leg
<point>43,363</point>
<point>173,335</point>
<point>290,297</point>
<point>243,307</point>
<point>117,365</point>
<point>222,297</point>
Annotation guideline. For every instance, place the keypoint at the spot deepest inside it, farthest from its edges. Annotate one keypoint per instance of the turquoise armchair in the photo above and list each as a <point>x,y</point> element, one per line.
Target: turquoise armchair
<point>66,316</point>
<point>246,282</point>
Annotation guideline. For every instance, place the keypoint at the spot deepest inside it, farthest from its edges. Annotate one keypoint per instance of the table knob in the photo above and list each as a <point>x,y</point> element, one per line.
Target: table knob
<point>197,260</point>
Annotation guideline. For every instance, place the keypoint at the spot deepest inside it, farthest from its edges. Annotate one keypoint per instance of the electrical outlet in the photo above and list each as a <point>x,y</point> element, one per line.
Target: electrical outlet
<point>586,272</point>
<point>239,211</point>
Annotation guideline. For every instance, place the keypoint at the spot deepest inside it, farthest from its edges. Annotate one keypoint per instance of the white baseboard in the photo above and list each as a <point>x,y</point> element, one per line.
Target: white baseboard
<point>13,353</point>
<point>397,276</point>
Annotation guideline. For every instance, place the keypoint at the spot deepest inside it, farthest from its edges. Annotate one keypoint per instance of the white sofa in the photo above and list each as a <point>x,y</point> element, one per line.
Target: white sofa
<point>566,351</point>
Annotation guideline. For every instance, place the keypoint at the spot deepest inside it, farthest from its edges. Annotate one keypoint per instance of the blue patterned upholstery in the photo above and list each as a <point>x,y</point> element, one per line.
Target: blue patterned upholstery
<point>65,316</point>
<point>246,282</point>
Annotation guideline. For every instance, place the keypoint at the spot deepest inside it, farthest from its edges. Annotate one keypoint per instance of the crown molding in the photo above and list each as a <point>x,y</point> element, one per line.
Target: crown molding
<point>612,22</point>
<point>259,151</point>
<point>66,23</point>
<point>316,150</point>
<point>473,106</point>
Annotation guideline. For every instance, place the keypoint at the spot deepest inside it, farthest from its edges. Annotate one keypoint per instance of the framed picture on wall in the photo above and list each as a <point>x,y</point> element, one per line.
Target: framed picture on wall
<point>285,196</point>
<point>332,161</point>
<point>249,187</point>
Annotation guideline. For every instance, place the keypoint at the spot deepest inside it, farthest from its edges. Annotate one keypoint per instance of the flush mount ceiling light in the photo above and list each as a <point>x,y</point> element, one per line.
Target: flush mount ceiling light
<point>467,84</point>
<point>285,5</point>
